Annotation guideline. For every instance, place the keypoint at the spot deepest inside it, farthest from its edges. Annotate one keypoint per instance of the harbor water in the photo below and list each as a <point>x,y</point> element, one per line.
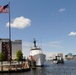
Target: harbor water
<point>68,68</point>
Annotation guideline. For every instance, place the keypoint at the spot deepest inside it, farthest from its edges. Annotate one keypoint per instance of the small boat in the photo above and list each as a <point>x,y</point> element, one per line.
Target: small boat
<point>58,60</point>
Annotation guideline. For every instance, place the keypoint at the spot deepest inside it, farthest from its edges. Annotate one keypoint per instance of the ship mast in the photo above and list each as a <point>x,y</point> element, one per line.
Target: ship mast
<point>34,42</point>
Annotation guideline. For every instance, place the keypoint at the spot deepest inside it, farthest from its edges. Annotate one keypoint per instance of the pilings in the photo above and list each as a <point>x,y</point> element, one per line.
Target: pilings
<point>32,64</point>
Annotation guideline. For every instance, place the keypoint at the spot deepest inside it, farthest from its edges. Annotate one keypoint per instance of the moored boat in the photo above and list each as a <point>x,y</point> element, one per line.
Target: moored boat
<point>37,55</point>
<point>58,60</point>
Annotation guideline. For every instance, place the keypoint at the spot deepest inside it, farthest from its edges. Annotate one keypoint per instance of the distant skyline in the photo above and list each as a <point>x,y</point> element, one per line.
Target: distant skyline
<point>51,22</point>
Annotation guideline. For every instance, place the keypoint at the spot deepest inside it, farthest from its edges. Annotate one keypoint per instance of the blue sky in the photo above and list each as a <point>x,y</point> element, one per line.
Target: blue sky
<point>51,22</point>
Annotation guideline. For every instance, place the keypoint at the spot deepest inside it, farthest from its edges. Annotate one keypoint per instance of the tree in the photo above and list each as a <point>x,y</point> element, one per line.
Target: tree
<point>2,59</point>
<point>19,56</point>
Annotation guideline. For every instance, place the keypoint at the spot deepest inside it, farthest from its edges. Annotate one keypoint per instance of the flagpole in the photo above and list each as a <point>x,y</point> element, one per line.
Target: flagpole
<point>10,36</point>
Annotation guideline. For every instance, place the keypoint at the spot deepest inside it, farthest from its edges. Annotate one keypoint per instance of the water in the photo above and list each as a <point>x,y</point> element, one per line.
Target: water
<point>68,68</point>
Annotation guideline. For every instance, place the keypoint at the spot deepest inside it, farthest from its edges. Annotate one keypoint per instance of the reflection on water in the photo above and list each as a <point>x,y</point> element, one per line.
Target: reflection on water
<point>68,68</point>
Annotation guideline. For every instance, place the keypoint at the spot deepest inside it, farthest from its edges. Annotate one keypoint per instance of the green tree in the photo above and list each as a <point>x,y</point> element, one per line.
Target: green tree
<point>19,56</point>
<point>1,59</point>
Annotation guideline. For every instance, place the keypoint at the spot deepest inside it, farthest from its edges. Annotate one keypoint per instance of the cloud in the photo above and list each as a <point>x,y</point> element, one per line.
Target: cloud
<point>72,34</point>
<point>62,9</point>
<point>19,22</point>
<point>55,44</point>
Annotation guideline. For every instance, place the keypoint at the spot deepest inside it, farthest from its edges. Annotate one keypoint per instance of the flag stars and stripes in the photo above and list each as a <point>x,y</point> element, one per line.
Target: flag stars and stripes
<point>4,9</point>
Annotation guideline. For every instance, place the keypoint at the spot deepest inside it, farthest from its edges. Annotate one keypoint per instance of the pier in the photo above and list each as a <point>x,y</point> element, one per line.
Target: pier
<point>6,67</point>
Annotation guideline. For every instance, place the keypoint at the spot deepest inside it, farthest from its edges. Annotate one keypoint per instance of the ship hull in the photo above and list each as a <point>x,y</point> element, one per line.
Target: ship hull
<point>40,59</point>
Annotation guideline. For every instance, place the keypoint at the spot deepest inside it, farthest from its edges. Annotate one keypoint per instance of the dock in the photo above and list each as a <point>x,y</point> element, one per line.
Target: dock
<point>14,67</point>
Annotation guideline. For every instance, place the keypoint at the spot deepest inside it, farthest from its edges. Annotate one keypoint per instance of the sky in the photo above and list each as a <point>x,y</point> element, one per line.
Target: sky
<point>51,22</point>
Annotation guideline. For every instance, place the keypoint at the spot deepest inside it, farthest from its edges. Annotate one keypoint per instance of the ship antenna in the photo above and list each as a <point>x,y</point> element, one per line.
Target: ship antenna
<point>34,42</point>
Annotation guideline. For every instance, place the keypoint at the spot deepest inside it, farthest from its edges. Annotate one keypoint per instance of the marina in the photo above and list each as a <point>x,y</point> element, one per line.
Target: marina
<point>53,22</point>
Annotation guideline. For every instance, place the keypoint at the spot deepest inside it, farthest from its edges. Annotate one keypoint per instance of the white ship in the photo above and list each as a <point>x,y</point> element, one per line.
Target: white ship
<point>37,54</point>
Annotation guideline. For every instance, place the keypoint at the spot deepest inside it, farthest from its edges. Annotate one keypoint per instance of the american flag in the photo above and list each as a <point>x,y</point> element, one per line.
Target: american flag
<point>4,9</point>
